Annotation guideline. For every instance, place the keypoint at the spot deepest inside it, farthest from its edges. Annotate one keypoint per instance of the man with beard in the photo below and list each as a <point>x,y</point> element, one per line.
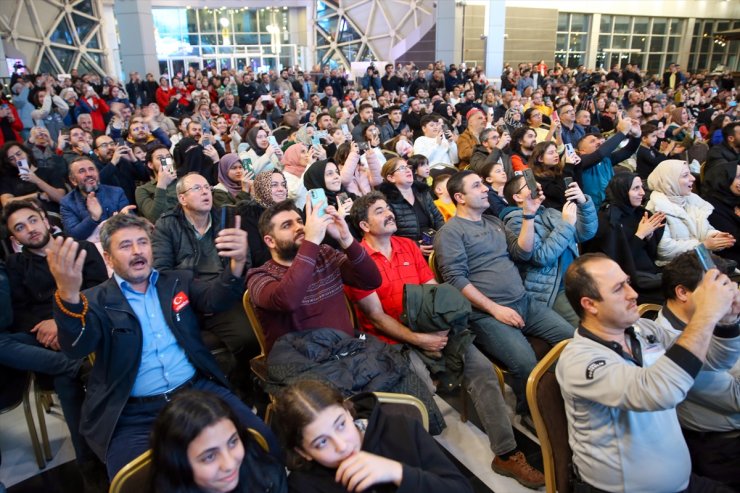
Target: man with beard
<point>142,325</point>
<point>119,166</point>
<point>90,203</point>
<point>523,141</point>
<point>198,152</point>
<point>185,238</point>
<point>32,344</point>
<point>301,287</point>
<point>401,263</point>
<point>79,146</point>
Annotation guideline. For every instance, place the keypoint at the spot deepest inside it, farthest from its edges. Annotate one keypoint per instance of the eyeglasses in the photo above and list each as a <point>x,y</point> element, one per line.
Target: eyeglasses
<point>401,168</point>
<point>198,189</point>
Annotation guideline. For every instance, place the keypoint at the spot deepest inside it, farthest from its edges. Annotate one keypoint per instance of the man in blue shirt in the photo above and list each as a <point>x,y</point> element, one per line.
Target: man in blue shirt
<point>143,328</point>
<point>90,203</point>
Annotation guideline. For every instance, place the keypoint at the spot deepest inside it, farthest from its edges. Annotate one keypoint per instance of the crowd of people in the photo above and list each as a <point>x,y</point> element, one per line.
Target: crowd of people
<point>461,221</point>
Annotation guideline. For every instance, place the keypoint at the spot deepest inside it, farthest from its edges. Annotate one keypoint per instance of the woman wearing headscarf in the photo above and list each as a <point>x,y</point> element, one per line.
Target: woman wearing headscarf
<point>233,184</point>
<point>263,156</point>
<point>721,187</point>
<point>630,235</point>
<point>295,161</point>
<point>687,214</point>
<point>324,174</point>
<point>513,119</point>
<point>268,188</point>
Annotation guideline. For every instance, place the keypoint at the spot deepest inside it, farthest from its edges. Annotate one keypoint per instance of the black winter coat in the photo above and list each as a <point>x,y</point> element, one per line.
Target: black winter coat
<point>406,220</point>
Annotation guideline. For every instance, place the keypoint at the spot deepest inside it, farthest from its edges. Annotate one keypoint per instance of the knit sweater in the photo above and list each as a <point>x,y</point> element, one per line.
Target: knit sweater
<point>309,294</point>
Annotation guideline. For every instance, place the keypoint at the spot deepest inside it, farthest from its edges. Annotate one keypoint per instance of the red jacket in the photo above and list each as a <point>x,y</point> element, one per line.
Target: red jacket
<point>16,126</point>
<point>163,97</point>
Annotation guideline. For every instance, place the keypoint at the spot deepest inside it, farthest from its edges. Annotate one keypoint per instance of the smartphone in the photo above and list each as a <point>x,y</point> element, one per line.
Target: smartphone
<point>427,236</point>
<point>342,199</point>
<point>315,141</point>
<point>272,141</point>
<point>318,195</point>
<point>531,182</point>
<point>363,147</point>
<point>205,141</point>
<point>23,168</point>
<point>567,180</point>
<point>569,148</point>
<point>345,129</point>
<point>227,217</point>
<point>166,163</point>
<point>733,104</point>
<point>705,257</point>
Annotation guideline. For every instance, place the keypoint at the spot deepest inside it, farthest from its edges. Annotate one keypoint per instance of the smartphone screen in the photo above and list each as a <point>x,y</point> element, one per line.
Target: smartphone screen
<point>227,217</point>
<point>704,256</point>
<point>205,141</point>
<point>23,168</point>
<point>318,195</point>
<point>531,183</point>
<point>272,141</point>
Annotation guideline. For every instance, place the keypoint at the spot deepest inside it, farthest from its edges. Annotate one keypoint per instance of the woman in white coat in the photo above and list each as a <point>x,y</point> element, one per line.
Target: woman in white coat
<point>686,213</point>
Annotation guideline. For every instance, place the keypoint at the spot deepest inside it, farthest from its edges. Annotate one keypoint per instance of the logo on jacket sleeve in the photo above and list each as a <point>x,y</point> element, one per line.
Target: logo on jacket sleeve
<point>180,301</point>
<point>593,366</point>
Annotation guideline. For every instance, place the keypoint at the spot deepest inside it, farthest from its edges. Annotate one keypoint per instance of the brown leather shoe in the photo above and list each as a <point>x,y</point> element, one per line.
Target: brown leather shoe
<point>518,468</point>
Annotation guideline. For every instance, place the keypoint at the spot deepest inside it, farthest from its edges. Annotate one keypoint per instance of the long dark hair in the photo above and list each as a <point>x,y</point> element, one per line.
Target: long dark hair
<point>6,167</point>
<point>539,169</point>
<point>297,406</point>
<point>179,423</point>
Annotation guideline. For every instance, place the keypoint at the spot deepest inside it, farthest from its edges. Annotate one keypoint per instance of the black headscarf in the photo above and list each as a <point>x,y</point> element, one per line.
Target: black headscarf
<point>252,140</point>
<point>716,185</point>
<point>617,199</point>
<point>314,178</point>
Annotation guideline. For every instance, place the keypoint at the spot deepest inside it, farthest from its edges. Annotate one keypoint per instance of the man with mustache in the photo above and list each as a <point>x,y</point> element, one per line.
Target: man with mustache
<point>185,238</point>
<point>301,287</point>
<point>31,343</point>
<point>400,263</point>
<point>142,326</point>
<point>90,203</point>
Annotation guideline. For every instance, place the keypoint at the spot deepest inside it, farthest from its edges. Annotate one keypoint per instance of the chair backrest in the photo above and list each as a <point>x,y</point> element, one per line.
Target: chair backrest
<point>433,265</point>
<point>548,413</point>
<point>135,477</point>
<point>404,404</point>
<point>12,388</point>
<point>254,321</point>
<point>649,310</point>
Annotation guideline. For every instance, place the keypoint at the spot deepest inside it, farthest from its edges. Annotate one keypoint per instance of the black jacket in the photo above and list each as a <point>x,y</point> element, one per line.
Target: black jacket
<point>113,332</point>
<point>721,153</point>
<point>32,286</point>
<point>250,211</point>
<point>397,437</point>
<point>406,220</point>
<point>174,244</point>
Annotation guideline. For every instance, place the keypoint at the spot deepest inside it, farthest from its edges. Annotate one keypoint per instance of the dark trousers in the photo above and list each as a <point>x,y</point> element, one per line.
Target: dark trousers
<point>131,436</point>
<point>715,456</point>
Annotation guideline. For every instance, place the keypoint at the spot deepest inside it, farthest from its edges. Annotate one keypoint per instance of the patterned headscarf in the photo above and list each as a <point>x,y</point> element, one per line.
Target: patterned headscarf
<point>262,189</point>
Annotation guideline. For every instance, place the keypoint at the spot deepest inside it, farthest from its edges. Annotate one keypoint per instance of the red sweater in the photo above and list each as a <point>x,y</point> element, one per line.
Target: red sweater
<point>12,128</point>
<point>309,294</point>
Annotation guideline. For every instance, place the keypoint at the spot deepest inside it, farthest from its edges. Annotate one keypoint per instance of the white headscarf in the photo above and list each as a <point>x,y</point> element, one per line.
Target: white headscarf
<point>664,179</point>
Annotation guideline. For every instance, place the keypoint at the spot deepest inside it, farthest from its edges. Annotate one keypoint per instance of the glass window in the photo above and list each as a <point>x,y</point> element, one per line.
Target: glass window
<point>62,34</point>
<point>563,22</point>
<point>209,39</point>
<point>697,27</point>
<point>702,63</point>
<point>706,43</point>
<point>206,21</point>
<point>578,42</point>
<point>653,63</point>
<point>562,42</point>
<point>604,42</point>
<point>245,21</point>
<point>578,23</point>
<point>621,24</point>
<point>676,26</point>
<point>94,43</point>
<point>656,44</point>
<point>606,24</point>
<point>638,42</point>
<point>620,41</point>
<point>717,59</point>
<point>192,19</point>
<point>659,26</point>
<point>723,26</point>
<point>85,6</point>
<point>641,25</point>
<point>246,39</point>
<point>673,44</point>
<point>65,57</point>
<point>694,44</point>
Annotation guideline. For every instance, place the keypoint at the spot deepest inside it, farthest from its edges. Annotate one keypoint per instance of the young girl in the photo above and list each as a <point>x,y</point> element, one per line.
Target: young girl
<point>197,448</point>
<point>355,446</point>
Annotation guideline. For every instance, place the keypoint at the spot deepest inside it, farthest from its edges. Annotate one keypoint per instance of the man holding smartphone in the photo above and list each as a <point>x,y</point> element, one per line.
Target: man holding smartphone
<point>158,195</point>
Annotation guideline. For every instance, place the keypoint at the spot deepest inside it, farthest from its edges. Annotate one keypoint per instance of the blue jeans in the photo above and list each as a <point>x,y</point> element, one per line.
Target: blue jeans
<point>22,351</point>
<point>131,436</point>
<point>509,345</point>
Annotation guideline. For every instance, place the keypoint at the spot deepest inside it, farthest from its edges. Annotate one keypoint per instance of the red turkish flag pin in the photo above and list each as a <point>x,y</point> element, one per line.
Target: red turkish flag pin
<point>180,301</point>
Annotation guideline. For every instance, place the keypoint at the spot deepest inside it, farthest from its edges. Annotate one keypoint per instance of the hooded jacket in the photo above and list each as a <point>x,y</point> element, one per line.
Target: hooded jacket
<point>406,220</point>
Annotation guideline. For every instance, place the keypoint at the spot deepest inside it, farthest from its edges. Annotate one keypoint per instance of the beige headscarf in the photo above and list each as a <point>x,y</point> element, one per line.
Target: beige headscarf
<point>664,179</point>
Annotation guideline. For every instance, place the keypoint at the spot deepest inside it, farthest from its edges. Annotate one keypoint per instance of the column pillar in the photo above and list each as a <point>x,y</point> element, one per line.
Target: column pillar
<point>495,39</point>
<point>449,34</point>
<point>138,48</point>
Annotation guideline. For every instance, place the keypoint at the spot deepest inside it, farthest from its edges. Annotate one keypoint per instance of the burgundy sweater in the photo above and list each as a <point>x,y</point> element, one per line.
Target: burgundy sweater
<point>309,294</point>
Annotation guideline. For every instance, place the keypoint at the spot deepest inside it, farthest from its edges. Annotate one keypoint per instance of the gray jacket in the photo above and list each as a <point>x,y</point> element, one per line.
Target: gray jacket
<point>555,243</point>
<point>713,403</point>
